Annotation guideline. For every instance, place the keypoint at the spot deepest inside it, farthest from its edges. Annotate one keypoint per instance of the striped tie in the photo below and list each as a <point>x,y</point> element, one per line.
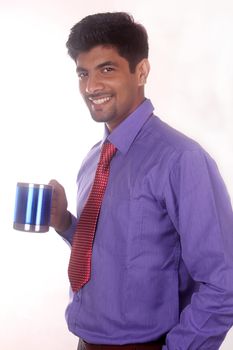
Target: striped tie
<point>79,269</point>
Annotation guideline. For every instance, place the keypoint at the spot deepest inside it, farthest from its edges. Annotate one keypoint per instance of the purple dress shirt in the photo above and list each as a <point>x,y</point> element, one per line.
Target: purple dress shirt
<point>163,251</point>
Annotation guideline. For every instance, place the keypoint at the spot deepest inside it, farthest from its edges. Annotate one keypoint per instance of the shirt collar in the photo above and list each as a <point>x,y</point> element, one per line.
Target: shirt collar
<point>124,134</point>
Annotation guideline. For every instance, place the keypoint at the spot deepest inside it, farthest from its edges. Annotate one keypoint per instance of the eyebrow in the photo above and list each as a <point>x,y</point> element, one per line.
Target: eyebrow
<point>101,65</point>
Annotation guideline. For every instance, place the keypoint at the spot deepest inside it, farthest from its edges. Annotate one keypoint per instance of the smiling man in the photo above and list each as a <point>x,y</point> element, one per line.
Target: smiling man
<point>110,90</point>
<point>151,263</point>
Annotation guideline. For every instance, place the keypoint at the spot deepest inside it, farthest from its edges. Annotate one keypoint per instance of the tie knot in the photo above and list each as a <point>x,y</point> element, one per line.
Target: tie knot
<point>107,153</point>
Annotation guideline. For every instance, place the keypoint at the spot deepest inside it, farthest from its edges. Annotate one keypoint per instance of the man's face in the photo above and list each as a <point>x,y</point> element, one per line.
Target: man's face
<point>109,89</point>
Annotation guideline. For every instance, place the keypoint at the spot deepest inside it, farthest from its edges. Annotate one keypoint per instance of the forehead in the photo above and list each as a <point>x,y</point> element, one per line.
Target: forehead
<point>98,55</point>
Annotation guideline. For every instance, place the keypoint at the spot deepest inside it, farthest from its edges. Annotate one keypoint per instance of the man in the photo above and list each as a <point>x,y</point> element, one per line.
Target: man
<point>161,265</point>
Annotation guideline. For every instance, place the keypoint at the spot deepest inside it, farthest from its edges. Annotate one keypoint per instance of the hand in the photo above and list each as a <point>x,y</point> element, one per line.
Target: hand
<point>60,217</point>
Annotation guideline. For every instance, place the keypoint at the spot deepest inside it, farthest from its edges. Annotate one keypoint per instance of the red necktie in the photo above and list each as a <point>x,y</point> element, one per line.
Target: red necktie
<point>79,269</point>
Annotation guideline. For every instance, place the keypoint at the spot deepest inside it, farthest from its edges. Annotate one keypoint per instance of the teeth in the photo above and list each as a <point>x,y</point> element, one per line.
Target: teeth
<point>100,100</point>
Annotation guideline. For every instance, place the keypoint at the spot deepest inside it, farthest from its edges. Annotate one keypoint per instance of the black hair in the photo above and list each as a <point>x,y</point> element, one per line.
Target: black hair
<point>117,29</point>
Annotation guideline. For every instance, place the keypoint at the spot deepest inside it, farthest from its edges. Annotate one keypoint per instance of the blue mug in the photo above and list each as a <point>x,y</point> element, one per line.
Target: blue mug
<point>32,207</point>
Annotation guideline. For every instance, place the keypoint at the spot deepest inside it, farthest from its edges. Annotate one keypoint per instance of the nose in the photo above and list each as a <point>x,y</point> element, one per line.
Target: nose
<point>93,84</point>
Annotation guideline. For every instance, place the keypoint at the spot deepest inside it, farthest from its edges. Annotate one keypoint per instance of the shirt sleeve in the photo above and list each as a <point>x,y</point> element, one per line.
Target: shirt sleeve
<point>199,207</point>
<point>69,233</point>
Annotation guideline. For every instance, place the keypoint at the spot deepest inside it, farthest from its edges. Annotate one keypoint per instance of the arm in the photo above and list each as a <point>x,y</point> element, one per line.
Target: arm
<point>200,210</point>
<point>61,219</point>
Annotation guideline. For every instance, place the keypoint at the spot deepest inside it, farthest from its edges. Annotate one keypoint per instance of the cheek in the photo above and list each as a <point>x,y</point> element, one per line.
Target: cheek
<point>82,87</point>
<point>128,93</point>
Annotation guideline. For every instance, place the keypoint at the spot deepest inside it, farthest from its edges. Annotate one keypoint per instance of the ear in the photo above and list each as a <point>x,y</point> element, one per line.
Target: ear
<point>143,69</point>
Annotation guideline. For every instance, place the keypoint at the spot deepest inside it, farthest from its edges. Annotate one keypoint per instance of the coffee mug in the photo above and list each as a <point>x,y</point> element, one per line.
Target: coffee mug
<point>32,207</point>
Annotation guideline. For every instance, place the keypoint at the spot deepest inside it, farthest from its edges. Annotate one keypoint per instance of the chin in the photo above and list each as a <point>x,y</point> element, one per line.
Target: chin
<point>98,119</point>
<point>101,118</point>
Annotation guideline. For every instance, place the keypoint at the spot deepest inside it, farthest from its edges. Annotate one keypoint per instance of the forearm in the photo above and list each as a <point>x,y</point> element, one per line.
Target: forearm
<point>65,223</point>
<point>67,234</point>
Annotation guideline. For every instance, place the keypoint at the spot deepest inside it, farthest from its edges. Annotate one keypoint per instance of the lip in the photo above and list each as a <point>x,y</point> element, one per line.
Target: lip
<point>97,101</point>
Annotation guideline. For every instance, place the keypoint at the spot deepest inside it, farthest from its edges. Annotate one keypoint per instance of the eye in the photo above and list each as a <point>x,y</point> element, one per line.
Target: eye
<point>82,75</point>
<point>107,69</point>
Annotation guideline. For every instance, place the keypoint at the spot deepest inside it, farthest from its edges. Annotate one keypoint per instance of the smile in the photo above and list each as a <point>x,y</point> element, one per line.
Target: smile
<point>99,101</point>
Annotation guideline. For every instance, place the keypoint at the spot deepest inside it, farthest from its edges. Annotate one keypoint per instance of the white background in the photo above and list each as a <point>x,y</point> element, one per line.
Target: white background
<point>45,130</point>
